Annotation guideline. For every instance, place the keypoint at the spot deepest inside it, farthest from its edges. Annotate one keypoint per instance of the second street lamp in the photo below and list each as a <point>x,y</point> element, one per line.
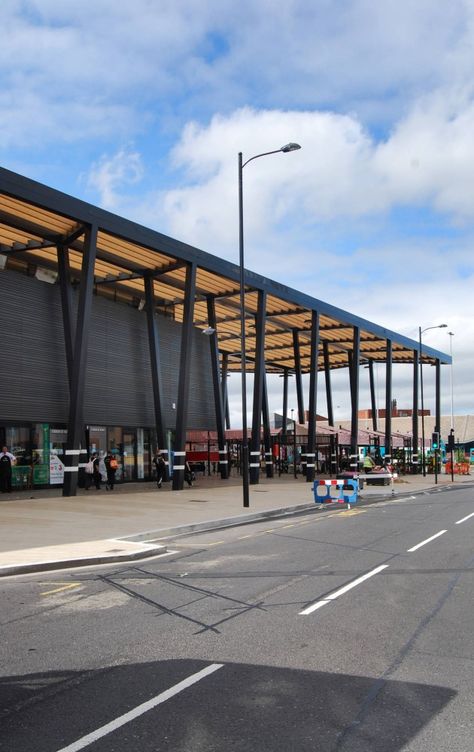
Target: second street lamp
<point>420,332</point>
<point>245,457</point>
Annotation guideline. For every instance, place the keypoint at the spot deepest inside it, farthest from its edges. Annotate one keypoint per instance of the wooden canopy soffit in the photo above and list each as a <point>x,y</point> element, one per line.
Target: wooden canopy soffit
<point>36,221</point>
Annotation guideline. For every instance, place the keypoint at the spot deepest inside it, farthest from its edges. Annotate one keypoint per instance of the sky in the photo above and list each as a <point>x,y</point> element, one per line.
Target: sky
<point>142,108</point>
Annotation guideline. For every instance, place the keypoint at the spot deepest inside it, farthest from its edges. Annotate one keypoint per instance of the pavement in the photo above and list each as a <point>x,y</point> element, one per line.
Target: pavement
<point>40,530</point>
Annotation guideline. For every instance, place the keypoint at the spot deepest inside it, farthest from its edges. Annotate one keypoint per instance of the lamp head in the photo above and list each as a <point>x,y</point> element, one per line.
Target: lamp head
<point>208,331</point>
<point>290,147</point>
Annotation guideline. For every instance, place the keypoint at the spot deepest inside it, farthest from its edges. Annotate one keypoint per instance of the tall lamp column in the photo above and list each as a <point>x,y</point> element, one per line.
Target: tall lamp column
<point>420,332</point>
<point>245,454</point>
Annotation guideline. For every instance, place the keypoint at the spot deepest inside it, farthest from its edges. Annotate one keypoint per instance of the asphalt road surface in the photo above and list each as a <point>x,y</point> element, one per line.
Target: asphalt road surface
<point>349,630</point>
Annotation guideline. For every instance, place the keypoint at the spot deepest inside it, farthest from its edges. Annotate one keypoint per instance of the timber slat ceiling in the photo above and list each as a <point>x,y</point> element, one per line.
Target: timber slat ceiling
<point>35,220</point>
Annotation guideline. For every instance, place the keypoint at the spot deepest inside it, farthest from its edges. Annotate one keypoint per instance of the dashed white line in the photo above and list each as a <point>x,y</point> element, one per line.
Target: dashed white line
<point>465,518</point>
<point>85,741</point>
<point>423,543</point>
<point>341,591</point>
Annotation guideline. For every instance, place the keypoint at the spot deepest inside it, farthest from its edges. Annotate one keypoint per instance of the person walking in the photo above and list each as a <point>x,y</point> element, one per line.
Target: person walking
<point>160,468</point>
<point>188,474</point>
<point>111,466</point>
<point>96,471</point>
<point>7,460</point>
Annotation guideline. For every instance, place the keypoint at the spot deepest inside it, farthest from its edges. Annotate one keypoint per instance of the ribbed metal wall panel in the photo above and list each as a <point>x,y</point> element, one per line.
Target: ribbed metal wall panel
<point>118,387</point>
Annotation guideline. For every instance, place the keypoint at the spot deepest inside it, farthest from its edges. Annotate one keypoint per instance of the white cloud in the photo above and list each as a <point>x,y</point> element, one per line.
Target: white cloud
<point>111,175</point>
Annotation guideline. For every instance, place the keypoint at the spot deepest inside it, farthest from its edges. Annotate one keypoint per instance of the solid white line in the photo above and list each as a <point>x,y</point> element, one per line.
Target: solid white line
<point>419,545</point>
<point>465,518</point>
<point>85,741</point>
<point>342,590</point>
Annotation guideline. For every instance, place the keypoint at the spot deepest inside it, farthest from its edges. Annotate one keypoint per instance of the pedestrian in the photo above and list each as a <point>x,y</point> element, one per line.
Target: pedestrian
<point>188,474</point>
<point>368,464</point>
<point>7,460</point>
<point>160,468</point>
<point>96,471</point>
<point>111,466</point>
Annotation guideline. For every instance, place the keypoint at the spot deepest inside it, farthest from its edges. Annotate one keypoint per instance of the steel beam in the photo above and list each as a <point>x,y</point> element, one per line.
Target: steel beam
<point>416,369</point>
<point>76,399</point>
<point>184,378</point>
<point>155,363</point>
<point>299,382</point>
<point>313,399</point>
<point>258,387</point>
<point>327,378</point>
<point>218,402</point>
<point>354,380</point>
<point>388,404</point>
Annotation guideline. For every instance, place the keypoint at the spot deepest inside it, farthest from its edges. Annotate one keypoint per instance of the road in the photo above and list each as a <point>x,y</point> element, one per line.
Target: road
<point>348,630</point>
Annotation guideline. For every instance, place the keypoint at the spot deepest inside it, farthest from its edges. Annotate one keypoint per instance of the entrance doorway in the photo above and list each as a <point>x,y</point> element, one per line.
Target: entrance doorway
<point>129,454</point>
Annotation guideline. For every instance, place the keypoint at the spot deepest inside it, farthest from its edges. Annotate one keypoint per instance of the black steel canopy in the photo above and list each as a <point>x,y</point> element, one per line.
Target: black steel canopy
<point>36,221</point>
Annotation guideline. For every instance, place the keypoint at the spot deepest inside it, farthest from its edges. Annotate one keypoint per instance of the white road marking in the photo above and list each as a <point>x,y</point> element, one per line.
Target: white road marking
<point>341,591</point>
<point>465,518</point>
<point>423,543</point>
<point>85,741</point>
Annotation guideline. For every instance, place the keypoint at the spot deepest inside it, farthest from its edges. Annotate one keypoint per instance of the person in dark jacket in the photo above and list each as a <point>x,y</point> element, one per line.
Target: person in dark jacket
<point>111,466</point>
<point>7,460</point>
<point>160,468</point>
<point>96,472</point>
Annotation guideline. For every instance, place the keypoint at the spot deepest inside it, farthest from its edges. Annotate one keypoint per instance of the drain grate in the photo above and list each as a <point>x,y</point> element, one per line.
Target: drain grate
<point>260,490</point>
<point>198,501</point>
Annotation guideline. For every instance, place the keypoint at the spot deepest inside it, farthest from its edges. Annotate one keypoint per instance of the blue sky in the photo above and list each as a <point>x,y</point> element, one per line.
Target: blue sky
<point>142,108</point>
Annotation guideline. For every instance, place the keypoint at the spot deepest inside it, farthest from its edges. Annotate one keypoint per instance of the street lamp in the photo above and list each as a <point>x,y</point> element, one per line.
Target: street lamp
<point>245,458</point>
<point>420,332</point>
<point>451,335</point>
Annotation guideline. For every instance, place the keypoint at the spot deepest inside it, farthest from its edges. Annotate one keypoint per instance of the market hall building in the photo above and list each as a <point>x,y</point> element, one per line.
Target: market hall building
<point>102,345</point>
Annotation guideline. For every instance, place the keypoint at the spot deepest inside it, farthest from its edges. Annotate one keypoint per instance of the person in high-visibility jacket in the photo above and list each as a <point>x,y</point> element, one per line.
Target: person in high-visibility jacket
<point>368,464</point>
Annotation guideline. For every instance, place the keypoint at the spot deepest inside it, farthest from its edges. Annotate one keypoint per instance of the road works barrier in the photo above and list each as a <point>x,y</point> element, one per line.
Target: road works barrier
<point>339,490</point>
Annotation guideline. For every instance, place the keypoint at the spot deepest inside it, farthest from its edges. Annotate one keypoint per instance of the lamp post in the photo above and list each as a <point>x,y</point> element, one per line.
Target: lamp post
<point>420,332</point>
<point>245,458</point>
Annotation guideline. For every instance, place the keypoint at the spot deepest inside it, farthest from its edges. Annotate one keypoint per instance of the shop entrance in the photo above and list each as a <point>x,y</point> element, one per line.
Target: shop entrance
<point>129,454</point>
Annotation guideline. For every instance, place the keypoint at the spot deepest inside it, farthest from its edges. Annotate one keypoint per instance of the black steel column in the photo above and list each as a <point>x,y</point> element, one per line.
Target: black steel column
<point>416,368</point>
<point>354,359</point>
<point>76,397</point>
<point>225,391</point>
<point>373,400</point>
<point>285,407</point>
<point>184,374</point>
<point>438,396</point>
<point>258,386</point>
<point>313,398</point>
<point>155,363</point>
<point>66,304</point>
<point>267,436</point>
<point>218,402</point>
<point>299,382</point>
<point>327,378</point>
<point>388,405</point>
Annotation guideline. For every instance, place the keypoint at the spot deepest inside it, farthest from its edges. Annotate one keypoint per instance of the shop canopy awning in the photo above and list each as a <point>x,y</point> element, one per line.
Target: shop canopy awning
<point>37,223</point>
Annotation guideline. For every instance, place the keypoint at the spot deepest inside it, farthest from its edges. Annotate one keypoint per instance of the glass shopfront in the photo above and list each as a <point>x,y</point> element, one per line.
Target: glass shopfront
<point>40,448</point>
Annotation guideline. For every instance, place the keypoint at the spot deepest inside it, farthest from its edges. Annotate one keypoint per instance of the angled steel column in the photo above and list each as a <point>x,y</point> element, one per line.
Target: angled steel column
<point>438,395</point>
<point>388,405</point>
<point>313,398</point>
<point>416,367</point>
<point>184,377</point>
<point>66,304</point>
<point>354,359</point>
<point>258,386</point>
<point>218,402</point>
<point>333,437</point>
<point>327,378</point>
<point>373,400</point>
<point>267,436</point>
<point>285,406</point>
<point>225,392</point>
<point>155,363</point>
<point>76,399</point>
<point>299,382</point>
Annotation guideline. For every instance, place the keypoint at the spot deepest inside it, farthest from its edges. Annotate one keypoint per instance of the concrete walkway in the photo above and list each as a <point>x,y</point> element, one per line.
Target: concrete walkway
<point>41,530</point>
